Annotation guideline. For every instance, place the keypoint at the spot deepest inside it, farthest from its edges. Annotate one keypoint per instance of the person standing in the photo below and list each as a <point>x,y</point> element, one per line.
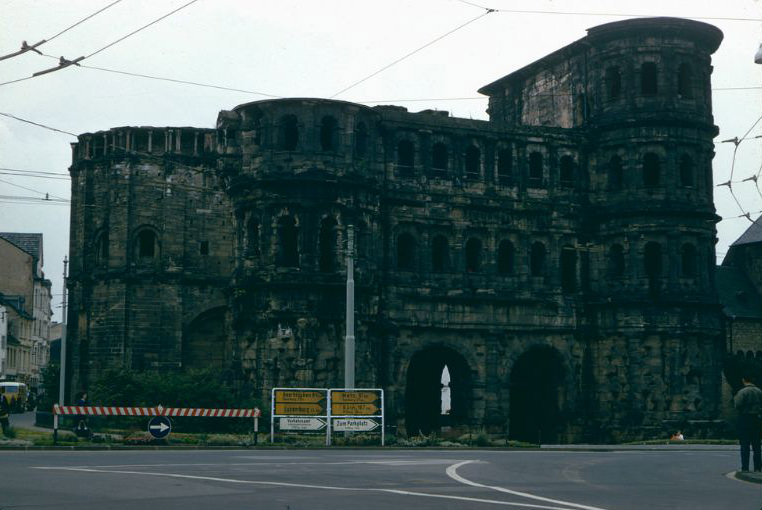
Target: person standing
<point>748,404</point>
<point>5,411</point>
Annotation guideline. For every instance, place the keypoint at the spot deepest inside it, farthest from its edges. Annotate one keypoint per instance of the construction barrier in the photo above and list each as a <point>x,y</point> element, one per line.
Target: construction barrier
<point>59,410</point>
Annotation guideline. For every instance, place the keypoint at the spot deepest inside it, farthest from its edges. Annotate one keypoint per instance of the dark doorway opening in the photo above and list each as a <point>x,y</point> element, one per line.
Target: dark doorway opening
<point>204,341</point>
<point>423,391</point>
<point>536,395</point>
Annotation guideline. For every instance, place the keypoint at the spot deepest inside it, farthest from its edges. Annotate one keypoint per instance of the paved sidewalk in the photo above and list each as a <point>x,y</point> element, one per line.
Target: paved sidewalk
<point>26,421</point>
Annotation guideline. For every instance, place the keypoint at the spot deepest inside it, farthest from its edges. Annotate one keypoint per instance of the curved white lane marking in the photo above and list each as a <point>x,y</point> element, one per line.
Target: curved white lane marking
<point>307,486</point>
<point>452,472</point>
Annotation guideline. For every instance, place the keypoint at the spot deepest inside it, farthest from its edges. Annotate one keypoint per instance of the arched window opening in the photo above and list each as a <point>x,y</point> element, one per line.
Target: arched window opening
<point>613,83</point>
<point>140,141</point>
<point>440,254</point>
<point>439,158</point>
<point>289,132</point>
<point>505,165</point>
<point>146,244</point>
<point>473,254</point>
<point>288,242</point>
<point>537,259</point>
<point>652,260</point>
<point>616,261</point>
<point>252,237</point>
<point>446,397</point>
<point>567,171</point>
<point>535,168</point>
<point>616,173</point>
<point>405,252</point>
<point>102,249</point>
<point>361,139</point>
<point>568,269</point>
<point>689,263</point>
<point>405,157</point>
<point>651,169</point>
<point>685,81</point>
<point>473,162</point>
<point>648,78</point>
<point>505,256</point>
<point>686,171</point>
<point>327,248</point>
<point>328,128</point>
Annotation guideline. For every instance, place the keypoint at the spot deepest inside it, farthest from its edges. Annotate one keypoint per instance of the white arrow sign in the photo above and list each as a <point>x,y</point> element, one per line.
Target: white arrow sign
<point>161,427</point>
<point>302,424</point>
<point>354,424</point>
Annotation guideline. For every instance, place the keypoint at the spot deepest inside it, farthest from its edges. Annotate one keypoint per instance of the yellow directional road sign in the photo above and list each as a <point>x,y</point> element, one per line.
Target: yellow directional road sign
<point>354,397</point>
<point>299,409</point>
<point>305,397</point>
<point>353,409</point>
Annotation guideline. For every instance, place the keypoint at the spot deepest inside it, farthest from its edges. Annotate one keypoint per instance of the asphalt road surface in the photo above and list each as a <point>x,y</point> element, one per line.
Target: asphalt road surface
<point>653,479</point>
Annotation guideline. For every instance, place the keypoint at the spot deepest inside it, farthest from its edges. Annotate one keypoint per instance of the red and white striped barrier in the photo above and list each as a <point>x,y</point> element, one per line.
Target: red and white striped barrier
<point>155,411</point>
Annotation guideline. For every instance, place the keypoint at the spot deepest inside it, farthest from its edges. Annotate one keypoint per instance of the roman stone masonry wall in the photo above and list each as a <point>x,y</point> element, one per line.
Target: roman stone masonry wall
<point>149,225</point>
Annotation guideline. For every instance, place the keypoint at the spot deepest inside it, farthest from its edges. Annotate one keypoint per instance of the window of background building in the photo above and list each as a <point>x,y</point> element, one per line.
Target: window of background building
<point>405,157</point>
<point>473,162</point>
<point>686,170</point>
<point>328,128</point>
<point>567,171</point>
<point>288,242</point>
<point>505,165</point>
<point>685,81</point>
<point>328,245</point>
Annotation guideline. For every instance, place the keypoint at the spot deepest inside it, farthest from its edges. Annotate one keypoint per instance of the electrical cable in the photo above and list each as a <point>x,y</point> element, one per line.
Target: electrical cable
<point>25,47</point>
<point>141,28</point>
<point>47,195</point>
<point>37,124</point>
<point>412,53</point>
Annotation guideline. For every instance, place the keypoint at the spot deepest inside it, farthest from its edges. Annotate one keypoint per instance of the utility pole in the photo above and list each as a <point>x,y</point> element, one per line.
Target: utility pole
<point>62,375</point>
<point>62,379</point>
<point>349,343</point>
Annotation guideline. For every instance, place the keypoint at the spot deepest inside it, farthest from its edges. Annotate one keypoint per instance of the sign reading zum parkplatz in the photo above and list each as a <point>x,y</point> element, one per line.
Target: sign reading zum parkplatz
<point>355,424</point>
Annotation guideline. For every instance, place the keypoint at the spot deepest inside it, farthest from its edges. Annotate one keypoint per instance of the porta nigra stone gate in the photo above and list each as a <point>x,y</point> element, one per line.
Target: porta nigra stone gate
<point>558,258</point>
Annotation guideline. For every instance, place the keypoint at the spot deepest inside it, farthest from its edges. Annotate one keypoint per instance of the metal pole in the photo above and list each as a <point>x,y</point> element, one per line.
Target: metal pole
<point>349,344</point>
<point>62,378</point>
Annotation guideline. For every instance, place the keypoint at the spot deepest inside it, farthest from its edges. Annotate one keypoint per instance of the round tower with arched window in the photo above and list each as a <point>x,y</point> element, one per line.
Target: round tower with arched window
<point>300,175</point>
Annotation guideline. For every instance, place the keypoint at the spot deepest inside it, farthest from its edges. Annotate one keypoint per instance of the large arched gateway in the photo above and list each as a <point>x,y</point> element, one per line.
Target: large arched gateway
<point>536,393</point>
<point>423,391</point>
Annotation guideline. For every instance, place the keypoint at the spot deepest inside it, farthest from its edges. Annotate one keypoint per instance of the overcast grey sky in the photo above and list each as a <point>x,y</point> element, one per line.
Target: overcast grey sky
<point>305,48</point>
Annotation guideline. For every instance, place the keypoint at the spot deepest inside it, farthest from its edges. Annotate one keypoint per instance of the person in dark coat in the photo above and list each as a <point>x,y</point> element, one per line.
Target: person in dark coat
<point>748,403</point>
<point>5,411</point>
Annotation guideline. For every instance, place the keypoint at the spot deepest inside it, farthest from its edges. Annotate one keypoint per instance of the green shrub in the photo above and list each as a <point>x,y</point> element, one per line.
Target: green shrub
<point>194,388</point>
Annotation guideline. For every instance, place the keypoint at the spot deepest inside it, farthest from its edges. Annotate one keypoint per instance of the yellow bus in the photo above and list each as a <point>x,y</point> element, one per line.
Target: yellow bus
<point>15,394</point>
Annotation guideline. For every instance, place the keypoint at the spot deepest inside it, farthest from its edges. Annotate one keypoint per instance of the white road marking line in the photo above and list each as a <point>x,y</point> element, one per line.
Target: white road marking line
<point>307,486</point>
<point>452,472</point>
<point>270,463</point>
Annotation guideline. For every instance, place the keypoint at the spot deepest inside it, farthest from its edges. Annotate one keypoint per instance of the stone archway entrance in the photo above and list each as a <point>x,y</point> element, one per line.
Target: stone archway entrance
<point>536,387</point>
<point>423,390</point>
<point>205,340</point>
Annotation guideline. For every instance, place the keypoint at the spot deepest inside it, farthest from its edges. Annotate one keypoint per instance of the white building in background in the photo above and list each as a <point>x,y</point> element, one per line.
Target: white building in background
<point>3,340</point>
<point>26,294</point>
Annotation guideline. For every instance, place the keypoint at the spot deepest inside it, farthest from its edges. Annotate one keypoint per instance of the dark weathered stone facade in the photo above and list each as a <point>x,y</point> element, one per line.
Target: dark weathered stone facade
<point>558,258</point>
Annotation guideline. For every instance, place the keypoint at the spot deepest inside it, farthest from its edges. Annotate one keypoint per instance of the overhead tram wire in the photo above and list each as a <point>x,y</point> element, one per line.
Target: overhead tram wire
<point>37,124</point>
<point>614,14</point>
<point>47,195</point>
<point>25,47</point>
<point>404,57</point>
<point>64,63</point>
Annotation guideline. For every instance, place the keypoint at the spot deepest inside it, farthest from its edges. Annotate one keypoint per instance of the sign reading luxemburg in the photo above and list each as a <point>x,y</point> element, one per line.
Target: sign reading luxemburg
<point>299,409</point>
